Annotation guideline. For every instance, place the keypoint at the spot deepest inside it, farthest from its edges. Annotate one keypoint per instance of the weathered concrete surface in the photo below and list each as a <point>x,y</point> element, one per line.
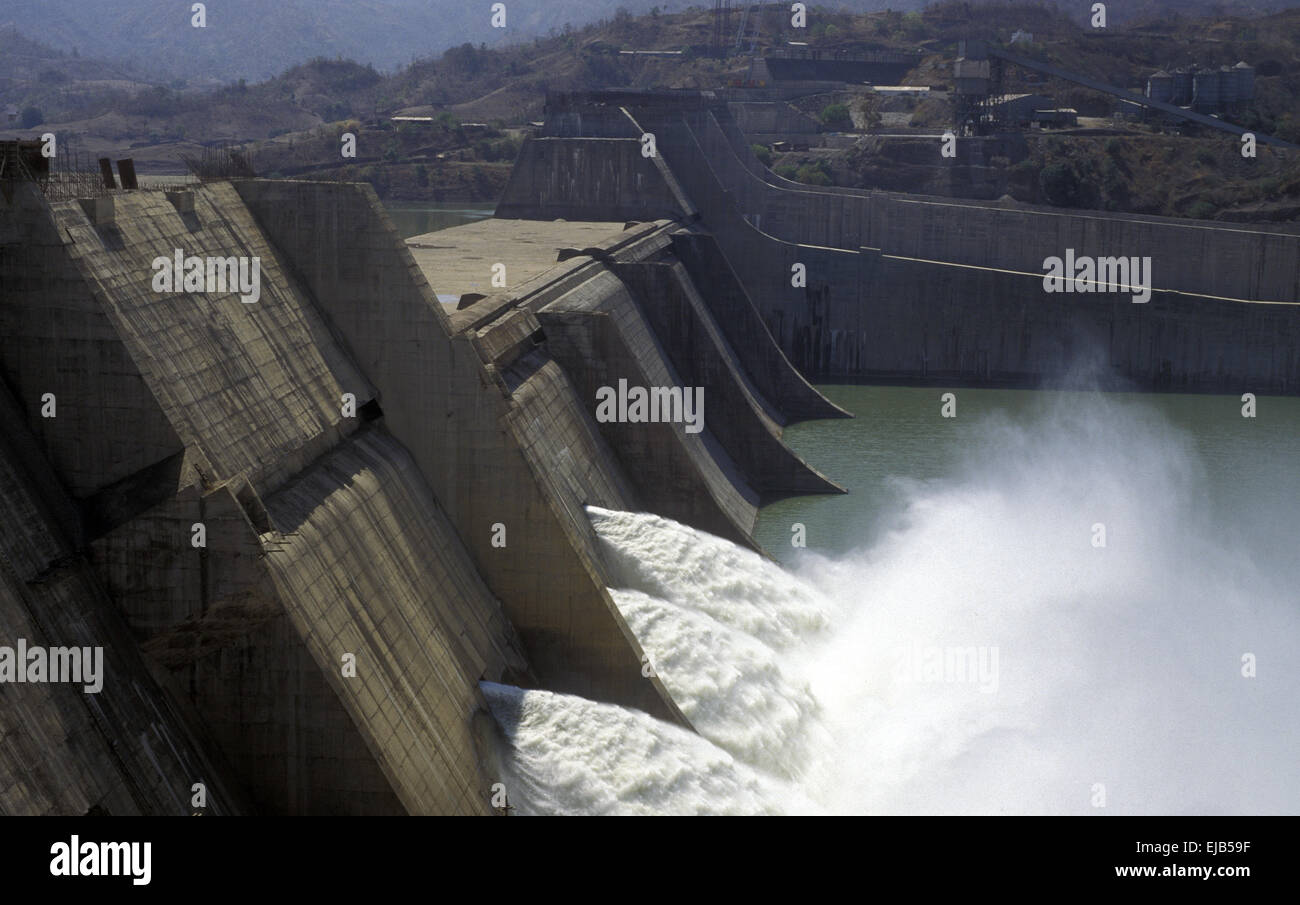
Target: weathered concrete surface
<point>128,749</point>
<point>599,336</point>
<point>368,566</point>
<point>56,338</point>
<point>680,337</point>
<point>740,321</point>
<point>246,403</point>
<point>498,449</point>
<point>739,418</point>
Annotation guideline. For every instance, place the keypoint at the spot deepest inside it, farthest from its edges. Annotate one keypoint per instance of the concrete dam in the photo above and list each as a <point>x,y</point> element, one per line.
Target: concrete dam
<point>302,524</point>
<point>912,288</point>
<point>307,530</point>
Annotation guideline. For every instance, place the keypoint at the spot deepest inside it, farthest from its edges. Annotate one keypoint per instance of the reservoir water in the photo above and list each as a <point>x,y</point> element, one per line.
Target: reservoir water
<point>414,218</point>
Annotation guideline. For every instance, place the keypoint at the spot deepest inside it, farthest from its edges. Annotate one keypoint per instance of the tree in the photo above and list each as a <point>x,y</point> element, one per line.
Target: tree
<point>814,175</point>
<point>1060,184</point>
<point>837,115</point>
<point>31,117</point>
<point>1288,128</point>
<point>913,27</point>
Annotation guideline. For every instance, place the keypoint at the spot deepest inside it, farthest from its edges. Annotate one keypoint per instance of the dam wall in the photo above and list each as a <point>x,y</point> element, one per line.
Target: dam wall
<point>506,448</point>
<point>598,334</point>
<point>869,316</point>
<point>790,395</point>
<point>1259,263</point>
<point>307,519</point>
<point>901,287</point>
<point>244,624</point>
<point>367,565</point>
<point>793,398</point>
<point>56,339</point>
<point>253,389</point>
<point>128,748</point>
<point>589,179</point>
<point>742,421</point>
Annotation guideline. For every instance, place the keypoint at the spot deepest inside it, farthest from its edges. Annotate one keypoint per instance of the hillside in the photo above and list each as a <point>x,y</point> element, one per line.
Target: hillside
<point>293,121</point>
<point>256,40</point>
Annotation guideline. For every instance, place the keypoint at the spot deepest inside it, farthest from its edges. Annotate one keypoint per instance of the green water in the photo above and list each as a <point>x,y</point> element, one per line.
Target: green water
<point>1244,474</point>
<point>414,218</point>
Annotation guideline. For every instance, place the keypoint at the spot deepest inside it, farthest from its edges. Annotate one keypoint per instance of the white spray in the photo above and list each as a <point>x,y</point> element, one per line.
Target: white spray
<point>1119,668</point>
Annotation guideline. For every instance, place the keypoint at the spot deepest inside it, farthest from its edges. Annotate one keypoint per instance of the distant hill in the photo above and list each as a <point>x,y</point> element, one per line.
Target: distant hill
<point>258,39</point>
<point>293,120</point>
<point>24,59</point>
<point>120,103</point>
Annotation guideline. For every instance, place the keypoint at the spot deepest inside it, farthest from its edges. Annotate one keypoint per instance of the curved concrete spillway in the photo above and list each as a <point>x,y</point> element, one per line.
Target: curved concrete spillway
<point>305,526</point>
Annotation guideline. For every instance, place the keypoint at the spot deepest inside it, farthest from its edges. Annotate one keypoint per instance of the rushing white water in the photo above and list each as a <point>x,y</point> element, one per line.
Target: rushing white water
<point>1110,674</point>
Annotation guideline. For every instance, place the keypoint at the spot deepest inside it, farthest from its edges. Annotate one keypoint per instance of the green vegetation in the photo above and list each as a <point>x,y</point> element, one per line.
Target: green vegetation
<point>763,153</point>
<point>1288,129</point>
<point>837,116</point>
<point>817,172</point>
<point>1060,184</point>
